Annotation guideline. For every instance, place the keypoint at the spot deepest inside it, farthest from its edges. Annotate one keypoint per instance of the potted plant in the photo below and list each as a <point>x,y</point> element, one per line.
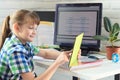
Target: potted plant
<point>113,32</point>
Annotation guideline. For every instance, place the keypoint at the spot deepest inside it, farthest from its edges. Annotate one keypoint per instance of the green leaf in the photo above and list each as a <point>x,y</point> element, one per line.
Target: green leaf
<point>115,34</point>
<point>116,28</point>
<point>117,40</point>
<point>107,24</point>
<point>99,37</point>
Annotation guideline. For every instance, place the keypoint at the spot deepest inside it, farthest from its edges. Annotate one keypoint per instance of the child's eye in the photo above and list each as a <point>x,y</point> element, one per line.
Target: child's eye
<point>33,28</point>
<point>30,27</point>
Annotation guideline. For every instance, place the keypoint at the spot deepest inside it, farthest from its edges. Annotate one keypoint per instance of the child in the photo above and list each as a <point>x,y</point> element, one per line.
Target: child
<point>16,51</point>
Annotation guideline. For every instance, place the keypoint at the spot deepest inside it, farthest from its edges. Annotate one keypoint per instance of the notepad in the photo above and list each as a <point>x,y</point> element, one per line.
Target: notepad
<point>74,57</point>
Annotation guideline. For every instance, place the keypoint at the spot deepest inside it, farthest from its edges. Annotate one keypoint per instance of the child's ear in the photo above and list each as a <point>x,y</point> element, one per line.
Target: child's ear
<point>16,27</point>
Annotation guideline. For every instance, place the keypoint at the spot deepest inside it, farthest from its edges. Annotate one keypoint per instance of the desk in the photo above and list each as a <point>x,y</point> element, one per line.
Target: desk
<point>108,68</point>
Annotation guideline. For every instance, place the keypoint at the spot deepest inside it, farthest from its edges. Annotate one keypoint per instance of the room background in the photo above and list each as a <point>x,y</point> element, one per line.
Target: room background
<point>111,9</point>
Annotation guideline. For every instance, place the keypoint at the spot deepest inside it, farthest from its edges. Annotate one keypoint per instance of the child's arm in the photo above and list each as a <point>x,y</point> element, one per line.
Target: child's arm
<point>62,58</point>
<point>44,76</point>
<point>49,53</point>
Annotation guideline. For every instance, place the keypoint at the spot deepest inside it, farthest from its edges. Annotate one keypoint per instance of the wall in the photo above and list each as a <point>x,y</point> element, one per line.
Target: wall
<point>111,8</point>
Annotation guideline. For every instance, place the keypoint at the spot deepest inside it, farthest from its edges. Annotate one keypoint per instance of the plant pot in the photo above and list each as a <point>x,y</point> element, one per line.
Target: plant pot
<point>112,49</point>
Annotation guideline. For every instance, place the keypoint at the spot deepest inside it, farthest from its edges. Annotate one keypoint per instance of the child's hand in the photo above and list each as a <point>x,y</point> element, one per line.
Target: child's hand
<point>79,54</point>
<point>63,57</point>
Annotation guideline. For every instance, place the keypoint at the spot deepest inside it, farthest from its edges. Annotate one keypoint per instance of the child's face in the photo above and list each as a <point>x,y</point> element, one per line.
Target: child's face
<point>27,32</point>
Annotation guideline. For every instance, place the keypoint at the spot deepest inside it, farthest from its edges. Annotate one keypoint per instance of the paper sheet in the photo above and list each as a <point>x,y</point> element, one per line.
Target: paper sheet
<point>77,44</point>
